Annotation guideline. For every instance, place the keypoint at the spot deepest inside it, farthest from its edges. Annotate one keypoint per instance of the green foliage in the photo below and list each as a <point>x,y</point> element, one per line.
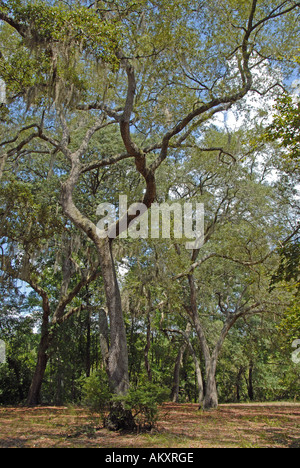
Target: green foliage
<point>143,402</point>
<point>27,216</point>
<point>96,394</point>
<point>289,268</point>
<point>46,63</point>
<point>285,130</point>
<point>16,330</point>
<point>80,25</point>
<point>64,57</point>
<point>290,324</point>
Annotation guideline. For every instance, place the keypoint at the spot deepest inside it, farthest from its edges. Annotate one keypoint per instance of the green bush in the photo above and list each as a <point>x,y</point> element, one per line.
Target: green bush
<point>96,394</point>
<point>143,402</point>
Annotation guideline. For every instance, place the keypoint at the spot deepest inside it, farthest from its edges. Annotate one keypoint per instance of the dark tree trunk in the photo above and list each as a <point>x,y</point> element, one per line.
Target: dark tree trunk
<point>104,338</point>
<point>33,398</point>
<point>250,382</point>
<point>88,345</point>
<point>238,384</point>
<point>147,349</point>
<point>119,418</point>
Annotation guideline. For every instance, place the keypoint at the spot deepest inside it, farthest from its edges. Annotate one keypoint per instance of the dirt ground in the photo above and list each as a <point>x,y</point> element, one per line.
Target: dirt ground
<point>180,426</point>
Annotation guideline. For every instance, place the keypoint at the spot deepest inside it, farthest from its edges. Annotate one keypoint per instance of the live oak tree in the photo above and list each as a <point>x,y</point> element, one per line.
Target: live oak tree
<point>228,278</point>
<point>158,77</point>
<point>39,249</point>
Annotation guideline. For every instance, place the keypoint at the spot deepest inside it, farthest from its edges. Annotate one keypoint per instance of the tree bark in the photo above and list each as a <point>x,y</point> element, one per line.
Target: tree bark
<point>238,384</point>
<point>88,345</point>
<point>211,358</point>
<point>210,400</point>
<point>104,338</point>
<point>176,381</point>
<point>250,381</point>
<point>118,354</point>
<point>211,394</point>
<point>148,341</point>
<point>117,369</point>
<point>199,380</point>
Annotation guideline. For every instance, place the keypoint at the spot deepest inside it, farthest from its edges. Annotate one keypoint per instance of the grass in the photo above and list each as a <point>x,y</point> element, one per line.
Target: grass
<point>179,426</point>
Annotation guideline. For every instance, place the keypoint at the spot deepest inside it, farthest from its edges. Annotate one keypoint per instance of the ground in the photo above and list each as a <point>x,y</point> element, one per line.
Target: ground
<point>275,425</point>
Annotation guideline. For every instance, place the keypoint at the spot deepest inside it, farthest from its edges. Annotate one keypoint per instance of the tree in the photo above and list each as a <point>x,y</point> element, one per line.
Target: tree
<point>284,131</point>
<point>149,81</point>
<point>31,231</point>
<point>227,279</point>
<point>16,330</point>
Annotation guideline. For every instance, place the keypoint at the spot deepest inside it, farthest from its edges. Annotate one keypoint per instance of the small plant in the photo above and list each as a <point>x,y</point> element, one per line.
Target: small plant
<point>96,393</point>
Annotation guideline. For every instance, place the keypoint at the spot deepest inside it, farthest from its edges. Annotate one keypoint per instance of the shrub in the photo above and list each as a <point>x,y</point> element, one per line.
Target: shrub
<point>96,394</point>
<point>143,402</point>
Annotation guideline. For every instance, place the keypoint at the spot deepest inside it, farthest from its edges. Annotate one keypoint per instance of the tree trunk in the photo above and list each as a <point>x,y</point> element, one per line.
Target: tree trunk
<point>250,382</point>
<point>118,354</point>
<point>176,381</point>
<point>210,400</point>
<point>147,349</point>
<point>211,395</point>
<point>118,374</point>
<point>33,398</point>
<point>104,338</point>
<point>199,380</point>
<point>88,345</point>
<point>238,384</point>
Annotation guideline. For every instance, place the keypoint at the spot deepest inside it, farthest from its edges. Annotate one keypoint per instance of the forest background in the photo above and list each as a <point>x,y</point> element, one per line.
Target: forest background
<point>162,102</point>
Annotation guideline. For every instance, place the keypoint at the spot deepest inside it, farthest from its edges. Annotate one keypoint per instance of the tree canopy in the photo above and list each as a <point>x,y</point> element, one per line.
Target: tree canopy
<point>113,98</point>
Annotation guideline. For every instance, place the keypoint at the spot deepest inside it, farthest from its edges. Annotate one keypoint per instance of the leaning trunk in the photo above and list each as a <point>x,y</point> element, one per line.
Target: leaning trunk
<point>117,367</point>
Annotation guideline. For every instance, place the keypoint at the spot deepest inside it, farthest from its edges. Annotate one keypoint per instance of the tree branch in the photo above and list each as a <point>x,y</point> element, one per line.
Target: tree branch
<point>21,29</point>
<point>59,315</point>
<point>224,257</point>
<point>105,162</point>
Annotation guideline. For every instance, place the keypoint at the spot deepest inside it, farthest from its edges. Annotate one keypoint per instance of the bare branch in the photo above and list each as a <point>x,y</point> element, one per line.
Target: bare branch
<point>105,162</point>
<point>275,14</point>
<point>99,124</point>
<point>113,113</point>
<point>245,263</point>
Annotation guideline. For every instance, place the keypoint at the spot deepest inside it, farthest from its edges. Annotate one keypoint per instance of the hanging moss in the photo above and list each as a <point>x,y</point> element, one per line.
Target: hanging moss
<point>46,63</point>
